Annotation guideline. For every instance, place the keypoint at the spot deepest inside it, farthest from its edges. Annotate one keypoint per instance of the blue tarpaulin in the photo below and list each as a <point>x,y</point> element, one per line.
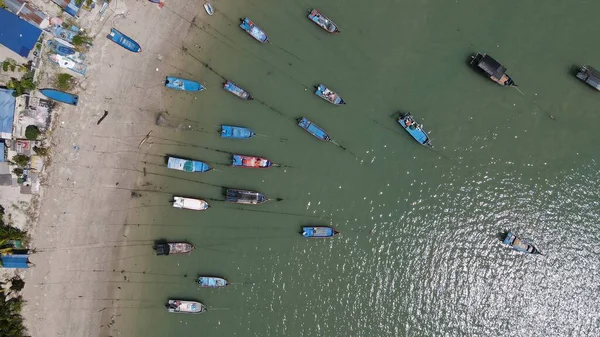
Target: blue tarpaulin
<point>17,34</point>
<point>2,152</point>
<point>7,113</point>
<point>15,261</point>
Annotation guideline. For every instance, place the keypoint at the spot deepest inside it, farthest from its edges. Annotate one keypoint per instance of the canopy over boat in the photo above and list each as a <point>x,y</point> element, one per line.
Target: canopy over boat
<point>492,68</point>
<point>590,76</point>
<point>313,129</point>
<point>190,203</point>
<point>173,248</point>
<point>318,232</point>
<point>322,21</point>
<point>254,31</point>
<point>60,96</point>
<point>519,244</point>
<point>187,165</point>
<point>182,84</point>
<point>244,197</point>
<point>212,282</point>
<point>328,95</point>
<point>240,160</point>
<point>124,41</point>
<point>237,90</point>
<point>236,132</point>
<point>185,307</point>
<point>416,130</point>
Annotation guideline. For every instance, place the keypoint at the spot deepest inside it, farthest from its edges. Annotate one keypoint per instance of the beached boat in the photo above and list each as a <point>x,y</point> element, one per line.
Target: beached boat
<point>318,232</point>
<point>236,132</point>
<point>185,307</point>
<point>67,63</point>
<point>209,8</point>
<point>60,96</point>
<point>212,282</point>
<point>416,130</point>
<point>328,95</point>
<point>240,160</point>
<point>190,203</point>
<point>590,76</point>
<point>519,244</point>
<point>177,83</point>
<point>62,49</point>
<point>322,21</point>
<point>254,31</point>
<point>160,3</point>
<point>236,90</point>
<point>313,129</point>
<point>492,69</point>
<point>124,41</point>
<point>187,165</point>
<point>244,197</point>
<point>173,248</point>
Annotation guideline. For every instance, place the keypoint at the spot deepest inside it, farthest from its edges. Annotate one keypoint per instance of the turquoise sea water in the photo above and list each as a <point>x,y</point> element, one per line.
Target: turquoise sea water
<point>419,253</point>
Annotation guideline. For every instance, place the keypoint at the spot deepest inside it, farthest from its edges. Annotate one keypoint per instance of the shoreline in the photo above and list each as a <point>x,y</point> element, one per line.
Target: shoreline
<point>86,193</point>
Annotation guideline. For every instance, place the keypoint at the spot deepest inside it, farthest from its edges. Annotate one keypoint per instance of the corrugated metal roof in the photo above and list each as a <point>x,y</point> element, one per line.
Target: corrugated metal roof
<point>28,12</point>
<point>68,5</point>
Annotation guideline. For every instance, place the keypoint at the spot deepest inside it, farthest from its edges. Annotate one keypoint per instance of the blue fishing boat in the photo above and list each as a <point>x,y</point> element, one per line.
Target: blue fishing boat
<point>236,90</point>
<point>313,129</point>
<point>124,41</point>
<point>254,31</point>
<point>328,95</point>
<point>182,84</point>
<point>240,160</point>
<point>60,96</point>
<point>519,244</point>
<point>322,21</point>
<point>61,49</point>
<point>187,165</point>
<point>236,132</point>
<point>415,130</point>
<point>244,197</point>
<point>212,282</point>
<point>318,232</point>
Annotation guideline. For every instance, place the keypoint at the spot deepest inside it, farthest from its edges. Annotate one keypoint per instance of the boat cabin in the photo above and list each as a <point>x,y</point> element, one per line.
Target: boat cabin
<point>492,68</point>
<point>590,76</point>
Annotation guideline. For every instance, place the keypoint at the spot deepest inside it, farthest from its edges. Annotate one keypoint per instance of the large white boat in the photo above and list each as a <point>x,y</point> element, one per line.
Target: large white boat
<point>190,203</point>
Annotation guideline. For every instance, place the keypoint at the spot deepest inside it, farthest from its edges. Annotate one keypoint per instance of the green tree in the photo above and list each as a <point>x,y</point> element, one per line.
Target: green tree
<point>81,39</point>
<point>18,171</point>
<point>32,132</point>
<point>64,82</point>
<point>40,151</point>
<point>21,160</point>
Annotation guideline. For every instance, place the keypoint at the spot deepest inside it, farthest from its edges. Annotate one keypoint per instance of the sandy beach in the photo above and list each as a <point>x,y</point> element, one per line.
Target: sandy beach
<point>87,189</point>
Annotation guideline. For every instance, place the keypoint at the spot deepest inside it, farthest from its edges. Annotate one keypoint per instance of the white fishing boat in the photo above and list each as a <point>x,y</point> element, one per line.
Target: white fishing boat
<point>190,203</point>
<point>66,63</point>
<point>185,307</point>
<point>209,8</point>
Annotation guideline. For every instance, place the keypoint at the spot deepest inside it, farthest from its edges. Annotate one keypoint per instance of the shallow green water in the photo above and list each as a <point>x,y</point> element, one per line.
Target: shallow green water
<point>419,253</point>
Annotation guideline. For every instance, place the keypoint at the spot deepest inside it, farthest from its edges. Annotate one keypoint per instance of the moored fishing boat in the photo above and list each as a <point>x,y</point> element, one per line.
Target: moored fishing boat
<point>236,90</point>
<point>323,21</point>
<point>318,232</point>
<point>590,76</point>
<point>185,307</point>
<point>313,129</point>
<point>190,203</point>
<point>173,248</point>
<point>328,95</point>
<point>124,41</point>
<point>416,130</point>
<point>212,282</point>
<point>177,83</point>
<point>236,132</point>
<point>60,96</point>
<point>240,160</point>
<point>209,8</point>
<point>492,69</point>
<point>520,245</point>
<point>253,30</point>
<point>245,197</point>
<point>187,165</point>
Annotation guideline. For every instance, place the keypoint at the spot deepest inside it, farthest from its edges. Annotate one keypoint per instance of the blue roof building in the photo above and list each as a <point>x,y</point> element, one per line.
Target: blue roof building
<point>7,113</point>
<point>17,34</point>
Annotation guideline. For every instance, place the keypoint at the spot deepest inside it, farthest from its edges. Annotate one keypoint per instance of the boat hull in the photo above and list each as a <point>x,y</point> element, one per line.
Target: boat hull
<point>187,165</point>
<point>244,197</point>
<point>313,129</point>
<point>185,307</point>
<point>60,96</point>
<point>323,21</point>
<point>590,76</point>
<point>240,160</point>
<point>190,203</point>
<point>124,41</point>
<point>519,245</point>
<point>492,69</point>
<point>209,8</point>
<point>173,248</point>
<point>212,282</point>
<point>237,90</point>
<point>318,232</point>
<point>253,30</point>
<point>236,132</point>
<point>181,84</point>
<point>416,131</point>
